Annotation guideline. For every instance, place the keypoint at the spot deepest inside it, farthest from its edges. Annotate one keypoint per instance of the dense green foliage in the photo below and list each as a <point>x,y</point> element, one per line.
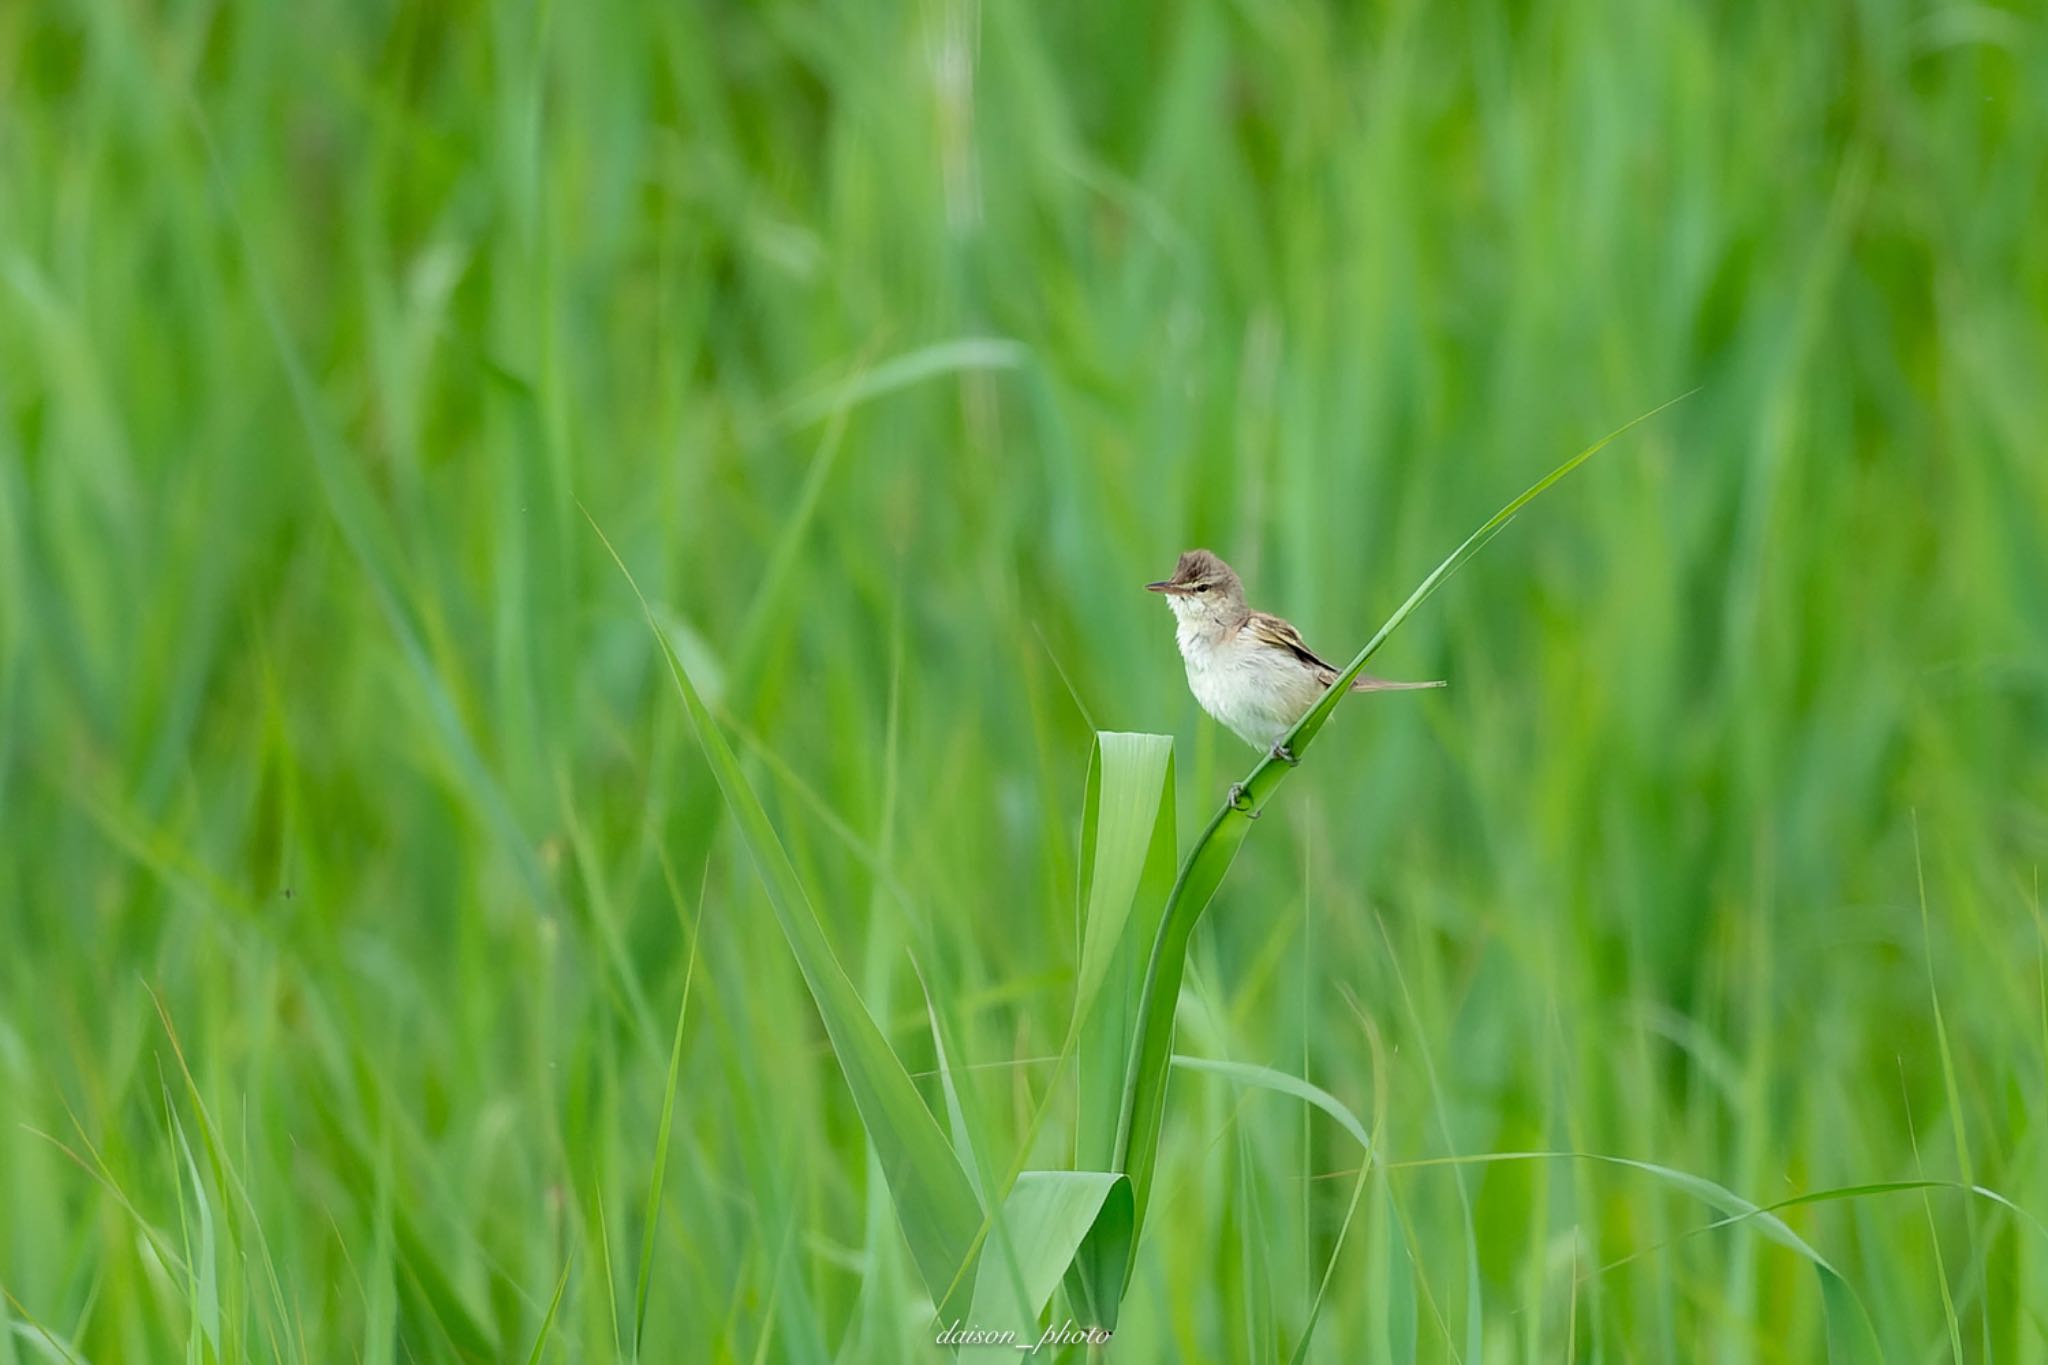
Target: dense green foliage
<point>358,859</point>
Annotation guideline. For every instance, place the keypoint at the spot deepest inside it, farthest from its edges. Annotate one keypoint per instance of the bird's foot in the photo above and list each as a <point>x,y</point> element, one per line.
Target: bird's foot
<point>1240,800</point>
<point>1284,754</point>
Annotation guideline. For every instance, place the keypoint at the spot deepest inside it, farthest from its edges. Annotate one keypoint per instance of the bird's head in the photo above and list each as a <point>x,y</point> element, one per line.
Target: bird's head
<point>1203,588</point>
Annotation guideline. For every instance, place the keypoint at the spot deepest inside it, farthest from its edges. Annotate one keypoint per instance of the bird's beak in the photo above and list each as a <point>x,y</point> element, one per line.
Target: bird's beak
<point>1173,589</point>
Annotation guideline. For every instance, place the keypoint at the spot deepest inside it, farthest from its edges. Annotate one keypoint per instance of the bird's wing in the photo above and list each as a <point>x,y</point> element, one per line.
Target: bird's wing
<point>1271,630</point>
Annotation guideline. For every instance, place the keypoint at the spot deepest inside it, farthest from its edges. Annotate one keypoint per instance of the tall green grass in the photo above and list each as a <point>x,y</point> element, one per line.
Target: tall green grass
<point>383,975</point>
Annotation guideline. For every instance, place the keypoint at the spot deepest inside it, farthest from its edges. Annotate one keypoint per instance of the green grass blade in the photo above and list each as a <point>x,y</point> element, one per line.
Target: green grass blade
<point>1280,1083</point>
<point>651,1214</point>
<point>33,1332</point>
<point>945,357</point>
<point>547,1322</point>
<point>956,1114</point>
<point>1955,1105</point>
<point>203,1284</point>
<point>416,1259</point>
<point>1403,1317</point>
<point>1838,1193</point>
<point>611,1286</point>
<point>934,1199</point>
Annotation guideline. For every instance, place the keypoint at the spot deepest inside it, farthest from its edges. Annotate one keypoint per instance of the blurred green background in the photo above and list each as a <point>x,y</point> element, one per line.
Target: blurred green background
<point>355,842</point>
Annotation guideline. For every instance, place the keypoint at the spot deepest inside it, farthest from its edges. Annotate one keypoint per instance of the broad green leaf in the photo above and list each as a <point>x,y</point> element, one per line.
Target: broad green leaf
<point>1129,788</point>
<point>1044,1221</point>
<point>934,1199</point>
<point>1127,855</point>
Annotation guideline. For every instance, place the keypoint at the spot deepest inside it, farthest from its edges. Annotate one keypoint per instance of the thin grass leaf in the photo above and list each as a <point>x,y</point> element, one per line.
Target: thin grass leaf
<point>415,1256</point>
<point>1281,1083</point>
<point>1955,1106</point>
<point>434,1292</point>
<point>1255,1276</point>
<point>1474,1286</point>
<point>935,1201</point>
<point>1330,1267</point>
<point>203,1286</point>
<point>766,606</point>
<point>34,1332</point>
<point>1836,1194</point>
<point>1403,1317</point>
<point>237,1202</point>
<point>945,357</point>
<point>611,1287</point>
<point>651,1213</point>
<point>1948,1302</point>
<point>547,1322</point>
<point>956,1116</point>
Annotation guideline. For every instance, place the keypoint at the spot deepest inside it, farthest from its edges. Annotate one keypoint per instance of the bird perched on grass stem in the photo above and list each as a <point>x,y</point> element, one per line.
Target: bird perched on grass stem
<point>1249,669</point>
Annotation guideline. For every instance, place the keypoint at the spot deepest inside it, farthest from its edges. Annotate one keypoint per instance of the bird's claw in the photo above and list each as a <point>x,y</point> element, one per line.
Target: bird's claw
<point>1240,800</point>
<point>1284,754</point>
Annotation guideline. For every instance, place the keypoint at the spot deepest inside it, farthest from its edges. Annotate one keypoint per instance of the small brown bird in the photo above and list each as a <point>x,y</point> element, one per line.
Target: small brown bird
<point>1250,670</point>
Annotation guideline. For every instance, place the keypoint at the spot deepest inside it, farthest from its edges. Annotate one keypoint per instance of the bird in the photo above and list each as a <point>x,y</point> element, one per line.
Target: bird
<point>1249,669</point>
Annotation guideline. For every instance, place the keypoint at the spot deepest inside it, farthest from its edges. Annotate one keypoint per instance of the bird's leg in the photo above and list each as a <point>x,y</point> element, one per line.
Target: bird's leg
<point>1240,800</point>
<point>1283,753</point>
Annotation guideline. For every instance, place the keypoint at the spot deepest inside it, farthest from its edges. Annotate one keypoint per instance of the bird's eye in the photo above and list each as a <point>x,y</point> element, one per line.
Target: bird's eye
<point>1201,587</point>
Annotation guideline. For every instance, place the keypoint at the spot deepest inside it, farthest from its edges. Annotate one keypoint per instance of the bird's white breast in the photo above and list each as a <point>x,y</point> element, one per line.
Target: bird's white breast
<point>1257,692</point>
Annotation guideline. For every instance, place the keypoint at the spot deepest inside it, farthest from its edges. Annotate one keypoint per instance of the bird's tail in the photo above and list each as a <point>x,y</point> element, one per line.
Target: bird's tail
<point>1365,682</point>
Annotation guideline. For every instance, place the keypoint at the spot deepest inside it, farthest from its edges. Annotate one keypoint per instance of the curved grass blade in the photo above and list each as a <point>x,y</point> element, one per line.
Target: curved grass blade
<point>899,372</point>
<point>1850,1332</point>
<point>1280,1082</point>
<point>934,1199</point>
<point>1202,871</point>
<point>1833,1195</point>
<point>32,1331</point>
